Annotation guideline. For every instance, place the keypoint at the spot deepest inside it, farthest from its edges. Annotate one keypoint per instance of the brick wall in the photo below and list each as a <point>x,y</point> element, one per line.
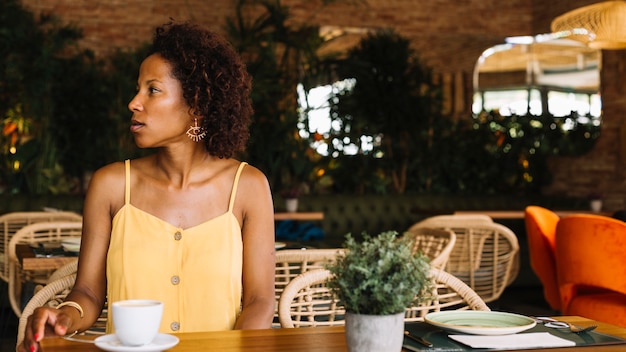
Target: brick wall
<point>110,24</point>
<point>449,35</point>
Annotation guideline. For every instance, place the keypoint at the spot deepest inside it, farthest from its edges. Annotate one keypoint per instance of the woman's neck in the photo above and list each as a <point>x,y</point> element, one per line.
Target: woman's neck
<point>181,168</point>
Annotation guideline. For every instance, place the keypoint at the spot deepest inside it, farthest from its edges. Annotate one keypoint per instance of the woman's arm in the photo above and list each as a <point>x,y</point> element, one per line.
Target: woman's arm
<point>104,198</point>
<point>258,251</point>
<point>89,291</point>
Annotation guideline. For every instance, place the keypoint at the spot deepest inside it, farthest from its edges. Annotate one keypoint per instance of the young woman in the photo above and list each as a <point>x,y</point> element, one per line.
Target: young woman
<point>188,225</point>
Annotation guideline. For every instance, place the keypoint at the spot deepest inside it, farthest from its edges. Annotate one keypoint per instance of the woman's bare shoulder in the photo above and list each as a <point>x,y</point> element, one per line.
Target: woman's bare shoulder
<point>106,189</point>
<point>254,190</point>
<point>110,173</point>
<point>117,170</point>
<point>251,176</point>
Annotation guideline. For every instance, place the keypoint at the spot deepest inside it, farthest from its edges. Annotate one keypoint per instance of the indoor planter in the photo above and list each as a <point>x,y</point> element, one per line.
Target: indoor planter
<point>595,202</point>
<point>291,205</point>
<point>376,280</point>
<point>291,195</point>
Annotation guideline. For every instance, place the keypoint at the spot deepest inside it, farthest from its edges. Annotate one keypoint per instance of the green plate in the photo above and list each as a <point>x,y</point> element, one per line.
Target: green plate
<point>480,322</point>
<point>71,244</point>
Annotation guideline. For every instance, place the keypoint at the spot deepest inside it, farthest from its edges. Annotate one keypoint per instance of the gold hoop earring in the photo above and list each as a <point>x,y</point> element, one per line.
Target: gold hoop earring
<point>195,132</point>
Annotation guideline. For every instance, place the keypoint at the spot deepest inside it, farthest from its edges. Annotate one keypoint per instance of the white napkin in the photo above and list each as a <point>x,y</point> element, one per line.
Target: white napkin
<point>514,341</point>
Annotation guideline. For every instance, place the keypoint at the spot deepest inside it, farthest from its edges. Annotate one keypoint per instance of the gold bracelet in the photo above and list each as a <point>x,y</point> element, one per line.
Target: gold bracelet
<point>72,304</point>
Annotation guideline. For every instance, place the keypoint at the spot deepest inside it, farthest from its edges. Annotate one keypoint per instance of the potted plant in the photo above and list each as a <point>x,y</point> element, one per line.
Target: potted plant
<point>595,202</point>
<point>376,279</point>
<point>291,195</point>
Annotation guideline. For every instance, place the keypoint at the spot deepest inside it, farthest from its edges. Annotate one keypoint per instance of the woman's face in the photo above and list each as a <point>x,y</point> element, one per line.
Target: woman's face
<point>160,114</point>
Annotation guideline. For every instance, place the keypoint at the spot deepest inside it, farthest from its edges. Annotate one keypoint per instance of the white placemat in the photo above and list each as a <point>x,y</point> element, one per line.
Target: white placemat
<point>514,341</point>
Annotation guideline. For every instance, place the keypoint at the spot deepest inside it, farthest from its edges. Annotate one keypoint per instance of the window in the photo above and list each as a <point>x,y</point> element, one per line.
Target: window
<point>315,120</point>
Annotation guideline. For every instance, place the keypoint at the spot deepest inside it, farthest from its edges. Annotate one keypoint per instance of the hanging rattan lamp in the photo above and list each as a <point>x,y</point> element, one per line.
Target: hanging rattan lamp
<point>601,25</point>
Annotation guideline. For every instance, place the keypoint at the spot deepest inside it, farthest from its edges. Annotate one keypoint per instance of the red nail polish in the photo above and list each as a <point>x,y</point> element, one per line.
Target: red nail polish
<point>36,338</point>
<point>32,348</point>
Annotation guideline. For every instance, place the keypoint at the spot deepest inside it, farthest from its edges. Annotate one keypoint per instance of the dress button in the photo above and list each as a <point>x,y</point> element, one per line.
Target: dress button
<point>175,326</point>
<point>175,280</point>
<point>178,236</point>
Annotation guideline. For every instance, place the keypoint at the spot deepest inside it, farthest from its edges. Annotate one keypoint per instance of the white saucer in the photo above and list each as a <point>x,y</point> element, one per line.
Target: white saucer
<point>161,342</point>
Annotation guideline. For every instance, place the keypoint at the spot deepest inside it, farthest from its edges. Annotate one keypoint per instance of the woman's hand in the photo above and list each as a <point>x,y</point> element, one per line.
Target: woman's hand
<point>44,321</point>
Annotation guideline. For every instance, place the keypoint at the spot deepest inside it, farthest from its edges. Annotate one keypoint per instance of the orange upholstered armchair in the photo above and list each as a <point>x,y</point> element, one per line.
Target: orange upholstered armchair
<point>591,267</point>
<point>541,233</point>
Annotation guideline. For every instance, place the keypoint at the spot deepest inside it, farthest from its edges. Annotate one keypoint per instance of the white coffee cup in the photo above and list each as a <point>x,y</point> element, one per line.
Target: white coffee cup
<point>137,321</point>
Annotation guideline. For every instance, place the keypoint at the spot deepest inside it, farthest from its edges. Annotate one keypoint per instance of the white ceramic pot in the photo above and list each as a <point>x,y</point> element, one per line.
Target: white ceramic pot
<point>291,204</point>
<point>595,205</point>
<point>374,333</point>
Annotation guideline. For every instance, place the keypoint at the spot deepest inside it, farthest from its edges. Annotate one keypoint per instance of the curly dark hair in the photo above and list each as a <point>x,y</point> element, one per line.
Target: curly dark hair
<point>215,83</point>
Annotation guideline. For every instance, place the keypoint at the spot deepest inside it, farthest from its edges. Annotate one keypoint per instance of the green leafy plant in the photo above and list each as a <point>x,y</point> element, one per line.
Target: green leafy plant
<point>295,191</point>
<point>380,275</point>
<point>394,102</point>
<point>280,52</point>
<point>43,80</point>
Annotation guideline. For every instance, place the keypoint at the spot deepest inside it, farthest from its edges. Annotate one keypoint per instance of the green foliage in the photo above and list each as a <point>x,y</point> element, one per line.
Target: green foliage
<point>75,107</point>
<point>28,60</point>
<point>521,145</point>
<point>72,99</point>
<point>459,161</point>
<point>417,150</point>
<point>380,275</point>
<point>394,101</point>
<point>276,56</point>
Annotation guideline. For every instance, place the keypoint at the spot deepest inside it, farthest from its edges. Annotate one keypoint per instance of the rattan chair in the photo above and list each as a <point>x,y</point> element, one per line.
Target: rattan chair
<point>10,223</point>
<point>436,244</point>
<point>485,256</point>
<point>51,295</point>
<point>308,302</point>
<point>41,232</point>
<point>449,293</point>
<point>292,262</point>
<point>67,269</point>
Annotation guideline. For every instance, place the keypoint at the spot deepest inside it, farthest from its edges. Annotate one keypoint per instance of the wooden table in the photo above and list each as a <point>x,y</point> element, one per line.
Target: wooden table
<point>30,262</point>
<point>303,216</point>
<point>327,339</point>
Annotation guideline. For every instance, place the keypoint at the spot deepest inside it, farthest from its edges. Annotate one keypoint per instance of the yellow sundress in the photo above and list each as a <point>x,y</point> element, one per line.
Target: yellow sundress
<point>196,272</point>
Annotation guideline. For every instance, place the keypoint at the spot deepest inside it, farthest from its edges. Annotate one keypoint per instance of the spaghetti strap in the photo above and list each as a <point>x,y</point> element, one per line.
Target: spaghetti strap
<point>235,184</point>
<point>127,191</point>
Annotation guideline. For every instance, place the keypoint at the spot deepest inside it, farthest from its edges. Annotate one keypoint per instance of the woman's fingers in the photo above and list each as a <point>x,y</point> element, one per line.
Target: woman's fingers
<point>61,324</point>
<point>44,322</point>
<point>29,344</point>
